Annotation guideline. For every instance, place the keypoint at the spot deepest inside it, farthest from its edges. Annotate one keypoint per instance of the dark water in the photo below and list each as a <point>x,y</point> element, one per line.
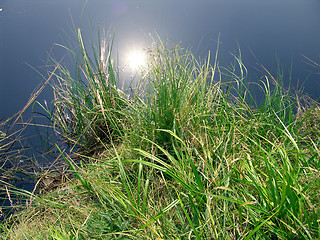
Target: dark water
<point>264,30</point>
<point>287,29</point>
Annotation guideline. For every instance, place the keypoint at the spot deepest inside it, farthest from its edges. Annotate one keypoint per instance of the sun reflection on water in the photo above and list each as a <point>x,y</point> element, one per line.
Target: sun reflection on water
<point>136,60</point>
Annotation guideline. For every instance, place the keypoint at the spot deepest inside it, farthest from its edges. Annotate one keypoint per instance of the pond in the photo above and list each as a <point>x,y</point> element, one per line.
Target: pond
<point>287,29</point>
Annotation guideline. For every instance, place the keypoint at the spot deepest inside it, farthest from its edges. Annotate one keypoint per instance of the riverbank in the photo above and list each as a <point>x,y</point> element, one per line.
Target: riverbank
<point>184,153</point>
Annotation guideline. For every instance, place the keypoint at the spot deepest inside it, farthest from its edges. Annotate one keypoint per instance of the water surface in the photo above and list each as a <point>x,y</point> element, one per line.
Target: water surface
<point>287,29</point>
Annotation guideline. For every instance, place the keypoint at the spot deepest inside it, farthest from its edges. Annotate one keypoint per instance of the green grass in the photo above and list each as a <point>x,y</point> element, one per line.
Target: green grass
<point>184,157</point>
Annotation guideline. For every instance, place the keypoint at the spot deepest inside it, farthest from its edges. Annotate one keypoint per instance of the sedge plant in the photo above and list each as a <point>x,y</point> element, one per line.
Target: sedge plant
<point>186,156</point>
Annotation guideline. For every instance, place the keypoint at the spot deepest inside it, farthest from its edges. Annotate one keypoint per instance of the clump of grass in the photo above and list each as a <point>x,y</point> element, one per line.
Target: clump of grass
<point>178,94</point>
<point>89,109</point>
<point>186,157</point>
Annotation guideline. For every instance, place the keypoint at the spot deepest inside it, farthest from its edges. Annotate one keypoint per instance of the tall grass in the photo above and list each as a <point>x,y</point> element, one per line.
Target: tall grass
<point>185,157</point>
<point>89,108</point>
<point>178,94</point>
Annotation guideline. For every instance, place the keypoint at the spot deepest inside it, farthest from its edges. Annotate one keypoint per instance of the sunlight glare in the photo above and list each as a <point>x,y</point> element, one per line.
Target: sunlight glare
<point>137,60</point>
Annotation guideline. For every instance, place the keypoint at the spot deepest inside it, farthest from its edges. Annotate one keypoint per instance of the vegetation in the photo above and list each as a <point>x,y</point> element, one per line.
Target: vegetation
<point>185,153</point>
